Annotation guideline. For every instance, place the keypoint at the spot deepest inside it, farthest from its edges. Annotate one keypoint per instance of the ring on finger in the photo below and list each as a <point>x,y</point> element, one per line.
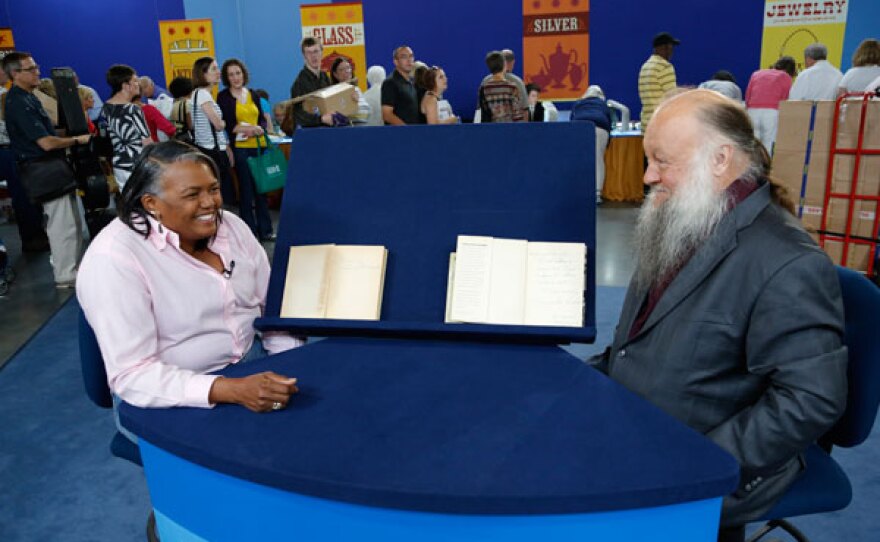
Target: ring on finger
<point>276,405</point>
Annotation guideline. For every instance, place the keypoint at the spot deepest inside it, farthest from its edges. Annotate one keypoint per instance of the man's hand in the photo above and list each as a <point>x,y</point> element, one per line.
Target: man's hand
<point>327,118</point>
<point>259,392</point>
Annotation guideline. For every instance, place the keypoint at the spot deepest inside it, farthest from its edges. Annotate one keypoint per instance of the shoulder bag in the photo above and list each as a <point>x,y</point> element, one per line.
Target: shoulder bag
<point>268,168</point>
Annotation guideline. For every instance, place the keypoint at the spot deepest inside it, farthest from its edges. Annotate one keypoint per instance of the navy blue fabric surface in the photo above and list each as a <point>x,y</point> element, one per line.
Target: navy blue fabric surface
<point>823,487</point>
<point>861,302</point>
<point>453,427</point>
<point>414,190</point>
<point>92,363</point>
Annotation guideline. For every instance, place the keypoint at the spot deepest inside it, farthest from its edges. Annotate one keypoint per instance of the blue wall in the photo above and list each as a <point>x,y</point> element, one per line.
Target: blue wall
<point>456,34</point>
<point>862,21</point>
<point>91,35</point>
<point>264,34</point>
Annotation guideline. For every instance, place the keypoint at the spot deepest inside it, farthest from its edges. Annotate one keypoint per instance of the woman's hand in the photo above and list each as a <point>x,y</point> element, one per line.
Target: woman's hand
<point>259,392</point>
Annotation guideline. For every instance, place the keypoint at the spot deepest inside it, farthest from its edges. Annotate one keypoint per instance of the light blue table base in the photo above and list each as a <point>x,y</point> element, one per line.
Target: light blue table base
<point>193,503</point>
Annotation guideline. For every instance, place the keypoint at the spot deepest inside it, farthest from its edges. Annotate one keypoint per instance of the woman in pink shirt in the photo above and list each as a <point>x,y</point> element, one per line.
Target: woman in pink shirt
<point>172,289</point>
<point>766,89</point>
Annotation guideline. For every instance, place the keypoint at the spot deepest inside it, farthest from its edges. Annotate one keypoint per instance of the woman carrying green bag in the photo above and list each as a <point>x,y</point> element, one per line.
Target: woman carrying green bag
<point>245,123</point>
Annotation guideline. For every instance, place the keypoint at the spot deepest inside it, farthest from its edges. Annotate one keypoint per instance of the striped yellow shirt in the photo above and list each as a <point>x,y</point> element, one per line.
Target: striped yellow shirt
<point>656,78</point>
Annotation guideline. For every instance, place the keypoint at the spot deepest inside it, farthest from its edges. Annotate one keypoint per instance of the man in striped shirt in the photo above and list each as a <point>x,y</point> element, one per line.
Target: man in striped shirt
<point>657,76</point>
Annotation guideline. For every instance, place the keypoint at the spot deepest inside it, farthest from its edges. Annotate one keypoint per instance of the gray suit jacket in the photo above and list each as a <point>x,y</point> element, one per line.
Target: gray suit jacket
<point>745,346</point>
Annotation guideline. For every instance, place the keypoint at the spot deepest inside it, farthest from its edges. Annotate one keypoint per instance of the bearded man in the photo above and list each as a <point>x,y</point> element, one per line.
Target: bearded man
<point>733,321</point>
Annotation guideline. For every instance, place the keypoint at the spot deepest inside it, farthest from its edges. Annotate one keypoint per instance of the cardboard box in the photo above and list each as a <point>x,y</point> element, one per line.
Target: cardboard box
<point>848,128</point>
<point>868,181</point>
<point>857,255</point>
<point>341,98</point>
<point>801,160</point>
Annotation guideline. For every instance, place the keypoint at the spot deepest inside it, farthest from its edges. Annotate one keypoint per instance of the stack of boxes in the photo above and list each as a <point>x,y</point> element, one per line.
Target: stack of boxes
<point>800,161</point>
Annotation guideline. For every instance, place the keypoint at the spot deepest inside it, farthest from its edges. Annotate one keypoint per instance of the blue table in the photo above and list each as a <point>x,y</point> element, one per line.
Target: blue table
<point>396,439</point>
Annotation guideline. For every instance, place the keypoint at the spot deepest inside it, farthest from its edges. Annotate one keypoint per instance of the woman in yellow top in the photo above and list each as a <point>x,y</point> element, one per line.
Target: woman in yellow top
<point>244,123</point>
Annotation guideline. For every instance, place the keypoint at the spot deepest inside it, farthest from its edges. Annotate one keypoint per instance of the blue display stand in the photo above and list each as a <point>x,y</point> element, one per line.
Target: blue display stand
<point>412,429</point>
<point>414,190</point>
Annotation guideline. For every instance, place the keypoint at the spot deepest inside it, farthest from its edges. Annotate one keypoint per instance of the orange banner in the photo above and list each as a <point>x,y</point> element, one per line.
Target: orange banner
<point>340,28</point>
<point>184,42</point>
<point>556,47</point>
<point>7,44</point>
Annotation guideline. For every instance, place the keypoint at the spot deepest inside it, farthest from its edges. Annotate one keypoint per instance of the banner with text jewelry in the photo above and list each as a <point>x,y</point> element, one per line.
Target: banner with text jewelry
<point>556,47</point>
<point>184,42</point>
<point>790,26</point>
<point>339,27</point>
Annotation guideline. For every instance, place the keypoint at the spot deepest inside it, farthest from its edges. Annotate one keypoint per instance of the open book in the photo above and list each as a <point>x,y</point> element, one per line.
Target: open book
<point>334,281</point>
<point>516,282</point>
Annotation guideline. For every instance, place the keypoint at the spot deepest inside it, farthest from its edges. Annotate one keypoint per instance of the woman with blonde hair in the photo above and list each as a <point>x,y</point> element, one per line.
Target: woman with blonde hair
<point>866,68</point>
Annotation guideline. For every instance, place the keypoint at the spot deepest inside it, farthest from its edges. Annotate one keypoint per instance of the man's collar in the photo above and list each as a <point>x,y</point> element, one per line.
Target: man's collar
<point>316,73</point>
<point>29,91</point>
<point>402,75</point>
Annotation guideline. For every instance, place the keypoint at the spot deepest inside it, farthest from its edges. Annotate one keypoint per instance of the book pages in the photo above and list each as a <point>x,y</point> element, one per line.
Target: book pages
<point>357,275</point>
<point>450,280</point>
<point>305,286</point>
<point>473,267</point>
<point>555,284</point>
<point>507,281</point>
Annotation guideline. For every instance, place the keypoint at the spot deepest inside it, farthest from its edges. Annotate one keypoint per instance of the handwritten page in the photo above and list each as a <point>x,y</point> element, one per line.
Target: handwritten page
<point>357,276</point>
<point>555,284</point>
<point>305,286</point>
<point>473,267</point>
<point>507,281</point>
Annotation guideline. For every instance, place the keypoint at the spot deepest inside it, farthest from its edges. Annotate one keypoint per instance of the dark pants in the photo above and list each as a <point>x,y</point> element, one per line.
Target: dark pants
<point>28,215</point>
<point>253,208</point>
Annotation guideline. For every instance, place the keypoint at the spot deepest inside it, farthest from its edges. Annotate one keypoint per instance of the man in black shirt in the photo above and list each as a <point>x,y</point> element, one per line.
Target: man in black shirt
<point>310,79</point>
<point>399,103</point>
<point>35,144</point>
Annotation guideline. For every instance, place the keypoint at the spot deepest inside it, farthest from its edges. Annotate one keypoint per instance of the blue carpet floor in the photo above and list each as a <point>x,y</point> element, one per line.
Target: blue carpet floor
<point>59,482</point>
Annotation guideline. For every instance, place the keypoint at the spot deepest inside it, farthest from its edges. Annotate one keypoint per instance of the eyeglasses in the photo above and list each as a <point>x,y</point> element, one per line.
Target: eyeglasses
<point>32,69</point>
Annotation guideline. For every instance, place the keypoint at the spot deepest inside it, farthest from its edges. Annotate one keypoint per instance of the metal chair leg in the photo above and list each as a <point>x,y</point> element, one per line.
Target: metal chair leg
<point>782,524</point>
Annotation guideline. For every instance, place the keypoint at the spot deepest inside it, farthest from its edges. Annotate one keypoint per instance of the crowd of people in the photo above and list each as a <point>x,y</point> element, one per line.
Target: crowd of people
<point>767,88</point>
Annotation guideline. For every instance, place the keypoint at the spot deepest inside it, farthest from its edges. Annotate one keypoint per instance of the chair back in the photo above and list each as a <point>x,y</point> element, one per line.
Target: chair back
<point>92,363</point>
<point>861,303</point>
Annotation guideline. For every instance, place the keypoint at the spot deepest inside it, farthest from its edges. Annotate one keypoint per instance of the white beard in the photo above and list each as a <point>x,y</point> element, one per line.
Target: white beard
<point>667,235</point>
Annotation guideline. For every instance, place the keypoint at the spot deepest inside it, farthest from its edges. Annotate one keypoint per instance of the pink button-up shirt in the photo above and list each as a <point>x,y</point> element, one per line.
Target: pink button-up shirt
<point>163,319</point>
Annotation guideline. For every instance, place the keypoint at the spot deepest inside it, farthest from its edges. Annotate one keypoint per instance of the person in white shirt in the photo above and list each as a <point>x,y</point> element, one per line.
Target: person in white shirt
<point>723,82</point>
<point>373,95</point>
<point>820,79</point>
<point>866,68</point>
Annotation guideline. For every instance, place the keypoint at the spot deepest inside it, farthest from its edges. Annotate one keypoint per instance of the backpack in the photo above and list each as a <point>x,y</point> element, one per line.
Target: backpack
<point>182,130</point>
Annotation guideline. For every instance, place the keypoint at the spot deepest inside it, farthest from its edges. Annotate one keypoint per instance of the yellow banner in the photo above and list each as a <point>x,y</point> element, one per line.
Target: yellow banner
<point>6,42</point>
<point>556,48</point>
<point>790,26</point>
<point>340,28</point>
<point>184,42</point>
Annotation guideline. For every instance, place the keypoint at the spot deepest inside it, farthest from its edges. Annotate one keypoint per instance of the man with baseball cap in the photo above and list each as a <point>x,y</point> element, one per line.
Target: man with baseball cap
<point>657,76</point>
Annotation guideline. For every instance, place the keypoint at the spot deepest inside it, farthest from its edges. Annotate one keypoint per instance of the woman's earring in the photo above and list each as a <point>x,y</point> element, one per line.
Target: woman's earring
<point>158,218</point>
